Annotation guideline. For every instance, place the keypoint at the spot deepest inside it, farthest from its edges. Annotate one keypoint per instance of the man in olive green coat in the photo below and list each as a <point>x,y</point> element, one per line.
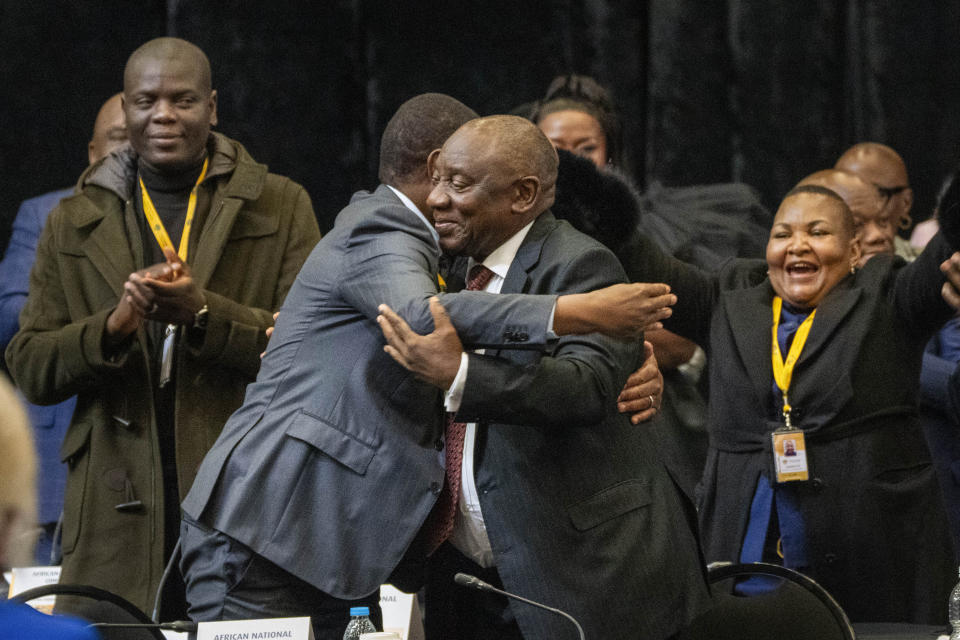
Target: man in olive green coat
<point>158,355</point>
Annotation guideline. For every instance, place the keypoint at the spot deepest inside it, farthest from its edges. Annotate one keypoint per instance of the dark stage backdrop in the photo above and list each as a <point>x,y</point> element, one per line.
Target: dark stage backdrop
<point>762,92</point>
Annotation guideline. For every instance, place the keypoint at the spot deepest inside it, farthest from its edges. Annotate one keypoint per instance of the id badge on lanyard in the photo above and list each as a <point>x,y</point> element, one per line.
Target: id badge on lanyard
<point>789,455</point>
<point>163,239</point>
<point>787,443</point>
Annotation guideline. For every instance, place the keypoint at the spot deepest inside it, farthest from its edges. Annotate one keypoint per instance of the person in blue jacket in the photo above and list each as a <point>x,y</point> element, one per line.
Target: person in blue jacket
<point>49,422</point>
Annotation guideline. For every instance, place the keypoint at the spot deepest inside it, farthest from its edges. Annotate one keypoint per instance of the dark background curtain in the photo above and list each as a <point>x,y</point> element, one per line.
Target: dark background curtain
<point>762,92</point>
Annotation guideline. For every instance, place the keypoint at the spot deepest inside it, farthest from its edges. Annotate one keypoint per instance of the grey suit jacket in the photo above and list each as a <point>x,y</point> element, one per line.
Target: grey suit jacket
<point>580,511</point>
<point>331,465</point>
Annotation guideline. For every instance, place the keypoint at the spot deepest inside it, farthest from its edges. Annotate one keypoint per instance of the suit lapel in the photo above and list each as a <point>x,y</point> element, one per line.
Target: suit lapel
<point>245,183</point>
<point>528,255</point>
<point>213,238</point>
<point>835,307</point>
<point>107,247</point>
<point>751,317</point>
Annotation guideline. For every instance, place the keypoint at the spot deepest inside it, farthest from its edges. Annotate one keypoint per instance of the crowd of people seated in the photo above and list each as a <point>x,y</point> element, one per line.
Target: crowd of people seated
<point>236,418</point>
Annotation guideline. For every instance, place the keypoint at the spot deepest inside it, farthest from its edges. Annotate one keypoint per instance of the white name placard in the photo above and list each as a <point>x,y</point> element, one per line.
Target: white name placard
<point>23,578</point>
<point>266,629</point>
<point>401,613</point>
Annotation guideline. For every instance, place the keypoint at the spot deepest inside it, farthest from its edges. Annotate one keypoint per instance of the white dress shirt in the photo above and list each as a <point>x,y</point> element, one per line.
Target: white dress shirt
<point>469,532</point>
<point>409,204</point>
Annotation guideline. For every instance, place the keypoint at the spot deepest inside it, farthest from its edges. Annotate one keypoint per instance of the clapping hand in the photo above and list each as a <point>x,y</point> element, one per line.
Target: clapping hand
<point>175,295</point>
<point>138,301</point>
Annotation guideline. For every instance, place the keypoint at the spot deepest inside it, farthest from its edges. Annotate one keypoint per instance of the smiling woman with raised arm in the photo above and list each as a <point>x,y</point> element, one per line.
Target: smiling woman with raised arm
<point>804,347</point>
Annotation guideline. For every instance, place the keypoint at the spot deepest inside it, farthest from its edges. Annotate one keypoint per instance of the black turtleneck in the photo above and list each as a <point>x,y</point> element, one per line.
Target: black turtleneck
<point>170,193</point>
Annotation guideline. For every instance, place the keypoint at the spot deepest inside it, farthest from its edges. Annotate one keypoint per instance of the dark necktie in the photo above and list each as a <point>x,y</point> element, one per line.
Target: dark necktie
<point>439,524</point>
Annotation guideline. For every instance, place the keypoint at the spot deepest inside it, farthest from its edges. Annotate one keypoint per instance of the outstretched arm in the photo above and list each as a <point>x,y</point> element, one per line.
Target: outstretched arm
<point>576,382</point>
<point>484,320</point>
<point>525,394</point>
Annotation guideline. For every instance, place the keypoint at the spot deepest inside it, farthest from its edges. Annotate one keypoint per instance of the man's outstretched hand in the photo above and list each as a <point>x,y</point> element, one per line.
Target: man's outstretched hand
<point>433,358</point>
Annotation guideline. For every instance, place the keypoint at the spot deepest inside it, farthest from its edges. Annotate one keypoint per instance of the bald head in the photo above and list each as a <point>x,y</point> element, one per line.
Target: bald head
<point>874,228</point>
<point>492,177</point>
<point>169,105</point>
<point>860,195</point>
<point>517,145</point>
<point>168,52</point>
<point>876,163</point>
<point>109,129</point>
<point>882,167</point>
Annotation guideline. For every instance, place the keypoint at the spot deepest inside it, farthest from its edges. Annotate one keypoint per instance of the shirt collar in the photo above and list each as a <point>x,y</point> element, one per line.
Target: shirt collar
<point>408,203</point>
<point>501,258</point>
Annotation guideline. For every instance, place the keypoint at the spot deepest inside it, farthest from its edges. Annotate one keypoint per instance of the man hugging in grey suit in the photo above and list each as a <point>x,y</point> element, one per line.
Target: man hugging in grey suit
<point>316,490</point>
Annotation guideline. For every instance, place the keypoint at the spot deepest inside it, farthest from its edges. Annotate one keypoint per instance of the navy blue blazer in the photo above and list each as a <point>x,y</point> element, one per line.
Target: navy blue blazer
<point>49,423</point>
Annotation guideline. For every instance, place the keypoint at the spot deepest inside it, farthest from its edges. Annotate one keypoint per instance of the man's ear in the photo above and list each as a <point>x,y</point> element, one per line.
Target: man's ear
<point>213,108</point>
<point>526,194</point>
<point>907,196</point>
<point>431,162</point>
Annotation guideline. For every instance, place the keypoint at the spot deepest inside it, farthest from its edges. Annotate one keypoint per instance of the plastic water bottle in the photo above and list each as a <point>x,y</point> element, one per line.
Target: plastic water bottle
<point>359,623</point>
<point>953,612</point>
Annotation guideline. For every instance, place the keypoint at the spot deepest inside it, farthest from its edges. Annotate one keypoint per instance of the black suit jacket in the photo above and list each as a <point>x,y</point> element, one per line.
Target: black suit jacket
<point>876,528</point>
<point>580,512</point>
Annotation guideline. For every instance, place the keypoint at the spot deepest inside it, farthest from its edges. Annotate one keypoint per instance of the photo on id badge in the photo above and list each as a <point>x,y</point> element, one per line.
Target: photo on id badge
<point>790,455</point>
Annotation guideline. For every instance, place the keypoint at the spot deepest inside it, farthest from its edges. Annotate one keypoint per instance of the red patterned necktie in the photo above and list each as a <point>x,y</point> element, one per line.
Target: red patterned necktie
<point>439,524</point>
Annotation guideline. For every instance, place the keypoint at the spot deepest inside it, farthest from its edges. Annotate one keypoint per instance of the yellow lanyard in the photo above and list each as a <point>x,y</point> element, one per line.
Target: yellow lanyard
<point>783,369</point>
<point>156,225</point>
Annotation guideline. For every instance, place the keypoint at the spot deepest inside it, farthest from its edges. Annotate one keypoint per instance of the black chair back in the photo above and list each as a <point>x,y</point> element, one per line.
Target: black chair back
<point>98,605</point>
<point>795,608</point>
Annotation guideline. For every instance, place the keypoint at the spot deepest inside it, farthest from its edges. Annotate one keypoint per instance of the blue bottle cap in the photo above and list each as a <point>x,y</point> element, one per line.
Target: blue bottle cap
<point>359,611</point>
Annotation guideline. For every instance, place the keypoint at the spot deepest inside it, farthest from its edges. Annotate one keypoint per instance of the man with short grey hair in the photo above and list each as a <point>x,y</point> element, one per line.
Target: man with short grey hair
<point>550,493</point>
